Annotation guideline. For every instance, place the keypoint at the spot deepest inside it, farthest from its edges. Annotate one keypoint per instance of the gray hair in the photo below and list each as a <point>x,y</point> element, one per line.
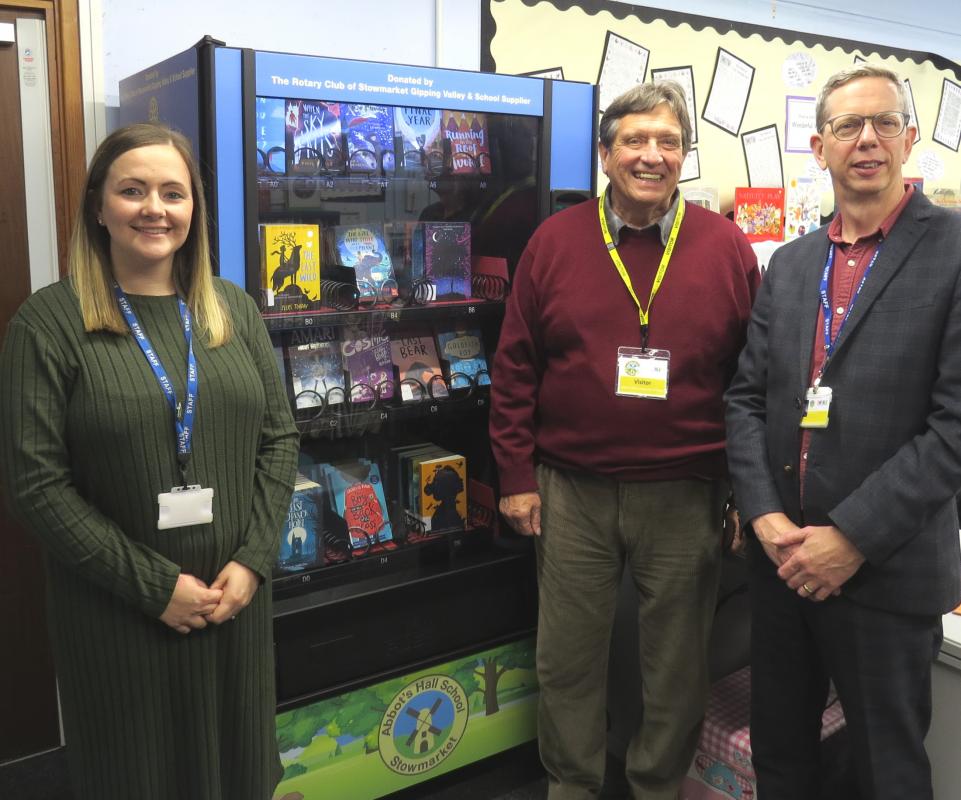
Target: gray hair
<point>839,79</point>
<point>640,100</point>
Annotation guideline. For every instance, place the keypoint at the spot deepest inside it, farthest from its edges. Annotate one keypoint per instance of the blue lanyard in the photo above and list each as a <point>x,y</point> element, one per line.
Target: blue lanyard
<point>826,304</point>
<point>183,423</point>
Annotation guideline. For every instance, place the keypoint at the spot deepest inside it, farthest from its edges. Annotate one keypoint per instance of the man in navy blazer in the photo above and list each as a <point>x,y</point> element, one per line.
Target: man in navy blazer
<point>844,445</point>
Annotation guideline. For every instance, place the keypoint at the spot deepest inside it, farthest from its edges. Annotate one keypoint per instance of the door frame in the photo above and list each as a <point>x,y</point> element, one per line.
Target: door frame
<point>62,22</point>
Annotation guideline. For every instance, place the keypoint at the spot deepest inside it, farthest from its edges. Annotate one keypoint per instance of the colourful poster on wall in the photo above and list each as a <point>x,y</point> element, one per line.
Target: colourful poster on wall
<point>369,742</point>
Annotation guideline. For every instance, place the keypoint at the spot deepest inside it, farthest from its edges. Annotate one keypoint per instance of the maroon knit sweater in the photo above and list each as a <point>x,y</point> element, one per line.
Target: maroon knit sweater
<point>553,380</point>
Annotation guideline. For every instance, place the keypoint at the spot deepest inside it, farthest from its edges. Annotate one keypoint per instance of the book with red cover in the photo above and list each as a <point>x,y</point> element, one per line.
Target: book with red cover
<point>470,150</point>
<point>759,213</point>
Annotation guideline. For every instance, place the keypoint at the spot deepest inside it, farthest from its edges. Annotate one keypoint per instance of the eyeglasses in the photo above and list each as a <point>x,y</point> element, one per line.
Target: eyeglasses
<point>886,124</point>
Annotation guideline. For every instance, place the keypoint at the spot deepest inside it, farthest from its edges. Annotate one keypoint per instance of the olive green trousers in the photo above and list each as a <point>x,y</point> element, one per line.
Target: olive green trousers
<point>668,534</point>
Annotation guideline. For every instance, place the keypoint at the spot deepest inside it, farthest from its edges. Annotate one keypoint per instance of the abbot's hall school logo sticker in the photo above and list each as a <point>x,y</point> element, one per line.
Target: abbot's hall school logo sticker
<point>423,724</point>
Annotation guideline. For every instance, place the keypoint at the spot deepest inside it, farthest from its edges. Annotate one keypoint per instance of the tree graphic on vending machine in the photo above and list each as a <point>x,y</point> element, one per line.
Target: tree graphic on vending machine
<point>360,716</point>
<point>484,673</point>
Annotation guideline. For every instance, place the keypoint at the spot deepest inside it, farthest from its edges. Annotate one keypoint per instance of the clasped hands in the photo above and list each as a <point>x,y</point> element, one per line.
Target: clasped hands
<point>523,512</point>
<point>815,561</point>
<point>194,604</point>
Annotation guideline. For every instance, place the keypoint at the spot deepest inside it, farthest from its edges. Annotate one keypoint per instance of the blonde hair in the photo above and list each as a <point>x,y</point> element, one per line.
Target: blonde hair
<point>89,253</point>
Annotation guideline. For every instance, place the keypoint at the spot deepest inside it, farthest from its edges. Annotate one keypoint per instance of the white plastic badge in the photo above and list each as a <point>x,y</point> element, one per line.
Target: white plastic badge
<point>642,373</point>
<point>818,405</point>
<point>185,505</point>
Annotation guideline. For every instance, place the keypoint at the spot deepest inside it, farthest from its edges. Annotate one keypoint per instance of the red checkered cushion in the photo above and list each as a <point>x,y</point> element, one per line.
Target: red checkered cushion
<point>726,733</point>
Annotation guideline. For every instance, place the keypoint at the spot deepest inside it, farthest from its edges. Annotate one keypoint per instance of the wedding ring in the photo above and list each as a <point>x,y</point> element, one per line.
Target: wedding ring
<point>807,588</point>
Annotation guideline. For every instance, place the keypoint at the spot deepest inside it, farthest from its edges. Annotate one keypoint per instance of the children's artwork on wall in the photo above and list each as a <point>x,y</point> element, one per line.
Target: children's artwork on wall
<point>741,76</point>
<point>623,65</point>
<point>762,153</point>
<point>683,76</point>
<point>947,129</point>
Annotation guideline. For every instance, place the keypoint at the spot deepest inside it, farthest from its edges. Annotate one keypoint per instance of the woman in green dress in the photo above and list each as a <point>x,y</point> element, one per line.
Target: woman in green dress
<point>159,614</point>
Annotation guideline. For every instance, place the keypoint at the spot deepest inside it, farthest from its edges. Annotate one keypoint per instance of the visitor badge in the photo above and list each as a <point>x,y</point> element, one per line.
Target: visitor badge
<point>642,373</point>
<point>816,409</point>
<point>185,505</point>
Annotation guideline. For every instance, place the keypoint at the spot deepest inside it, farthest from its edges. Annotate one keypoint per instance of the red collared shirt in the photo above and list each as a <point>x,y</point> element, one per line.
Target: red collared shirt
<point>850,263</point>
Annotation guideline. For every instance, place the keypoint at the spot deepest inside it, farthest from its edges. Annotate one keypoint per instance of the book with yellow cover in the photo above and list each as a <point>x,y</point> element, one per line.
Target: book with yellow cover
<point>443,493</point>
<point>290,268</point>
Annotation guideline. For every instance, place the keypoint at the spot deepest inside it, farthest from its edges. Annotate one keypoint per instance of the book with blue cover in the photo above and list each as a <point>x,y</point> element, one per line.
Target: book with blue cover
<point>299,540</point>
<point>417,251</point>
<point>369,130</point>
<point>271,146</point>
<point>363,249</point>
<point>316,366</point>
<point>358,493</point>
<point>314,141</point>
<point>462,356</point>
<point>407,259</point>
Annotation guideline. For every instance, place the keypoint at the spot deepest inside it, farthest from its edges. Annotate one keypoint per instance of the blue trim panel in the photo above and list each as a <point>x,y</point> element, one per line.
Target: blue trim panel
<point>572,150</point>
<point>315,78</point>
<point>230,166</point>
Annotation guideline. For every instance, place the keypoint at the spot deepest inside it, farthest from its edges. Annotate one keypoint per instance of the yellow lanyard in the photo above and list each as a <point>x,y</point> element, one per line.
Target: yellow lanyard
<point>661,269</point>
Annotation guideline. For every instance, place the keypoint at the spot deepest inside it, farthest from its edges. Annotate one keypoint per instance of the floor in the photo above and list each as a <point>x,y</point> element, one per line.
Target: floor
<point>514,775</point>
<point>42,777</point>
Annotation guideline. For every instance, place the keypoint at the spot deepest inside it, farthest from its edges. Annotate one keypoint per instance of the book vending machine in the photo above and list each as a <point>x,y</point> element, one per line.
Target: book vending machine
<point>376,213</point>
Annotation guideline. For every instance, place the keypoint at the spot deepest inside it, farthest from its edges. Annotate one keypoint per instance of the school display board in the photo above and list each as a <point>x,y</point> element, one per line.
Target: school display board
<point>751,89</point>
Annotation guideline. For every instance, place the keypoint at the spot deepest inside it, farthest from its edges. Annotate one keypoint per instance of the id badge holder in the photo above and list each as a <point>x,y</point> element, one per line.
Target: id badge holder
<point>642,373</point>
<point>817,407</point>
<point>185,505</point>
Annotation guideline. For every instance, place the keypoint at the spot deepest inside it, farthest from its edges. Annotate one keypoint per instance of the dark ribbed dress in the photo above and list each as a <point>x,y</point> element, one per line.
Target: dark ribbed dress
<point>86,444</point>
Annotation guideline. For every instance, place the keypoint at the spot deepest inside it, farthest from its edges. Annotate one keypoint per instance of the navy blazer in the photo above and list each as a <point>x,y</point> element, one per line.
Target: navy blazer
<point>888,467</point>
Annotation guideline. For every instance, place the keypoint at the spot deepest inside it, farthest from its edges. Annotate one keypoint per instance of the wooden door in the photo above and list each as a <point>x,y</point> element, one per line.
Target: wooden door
<point>29,720</point>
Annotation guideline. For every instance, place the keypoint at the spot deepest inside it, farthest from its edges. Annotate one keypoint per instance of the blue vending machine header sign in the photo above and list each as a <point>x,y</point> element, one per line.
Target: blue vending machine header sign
<point>167,92</point>
<point>313,78</point>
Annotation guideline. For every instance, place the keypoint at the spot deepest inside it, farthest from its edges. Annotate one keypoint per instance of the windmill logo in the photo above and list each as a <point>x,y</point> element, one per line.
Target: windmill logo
<point>424,729</point>
<point>423,724</point>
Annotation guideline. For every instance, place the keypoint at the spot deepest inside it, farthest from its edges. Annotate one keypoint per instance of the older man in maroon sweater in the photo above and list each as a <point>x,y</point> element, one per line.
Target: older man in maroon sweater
<point>622,331</point>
